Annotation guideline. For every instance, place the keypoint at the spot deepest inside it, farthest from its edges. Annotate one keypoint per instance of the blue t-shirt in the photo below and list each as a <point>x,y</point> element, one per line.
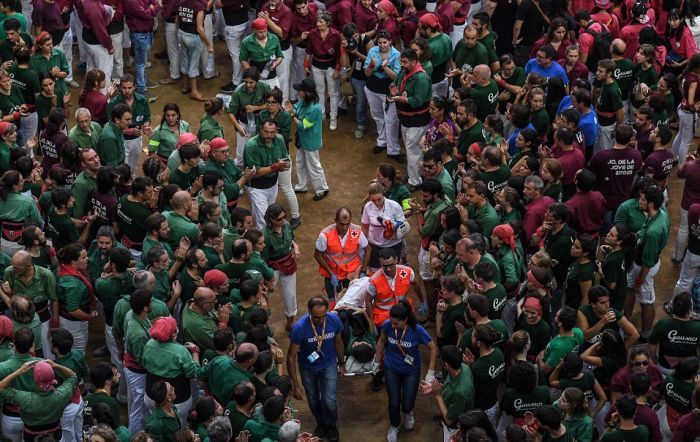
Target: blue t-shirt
<point>411,341</point>
<point>304,337</point>
<point>374,54</point>
<point>512,148</point>
<point>564,104</point>
<point>554,70</point>
<point>588,124</point>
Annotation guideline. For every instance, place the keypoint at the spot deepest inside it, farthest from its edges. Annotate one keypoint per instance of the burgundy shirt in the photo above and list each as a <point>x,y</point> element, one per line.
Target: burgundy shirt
<point>615,170</point>
<point>621,381</point>
<point>104,205</point>
<point>644,416</point>
<point>366,19</point>
<point>534,214</point>
<point>409,25</point>
<point>659,163</point>
<point>301,23</point>
<point>644,144</point>
<point>94,17</point>
<point>571,161</point>
<point>391,26</point>
<point>96,103</point>
<point>578,71</point>
<point>688,428</point>
<point>325,53</point>
<point>48,16</point>
<point>586,211</point>
<point>170,10</point>
<point>690,77</point>
<point>51,148</point>
<point>446,15</point>
<point>282,17</point>
<point>140,15</point>
<point>691,191</point>
<point>341,10</point>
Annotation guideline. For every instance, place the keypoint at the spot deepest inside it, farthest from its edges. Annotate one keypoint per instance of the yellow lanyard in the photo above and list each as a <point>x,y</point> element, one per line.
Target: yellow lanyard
<point>399,341</point>
<point>319,338</point>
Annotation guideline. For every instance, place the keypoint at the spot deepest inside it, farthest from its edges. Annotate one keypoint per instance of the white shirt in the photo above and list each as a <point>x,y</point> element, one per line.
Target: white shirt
<point>322,241</point>
<point>391,210</point>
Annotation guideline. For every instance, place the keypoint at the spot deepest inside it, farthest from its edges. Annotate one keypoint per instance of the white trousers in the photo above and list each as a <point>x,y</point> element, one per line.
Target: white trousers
<point>78,31</point>
<point>414,154</point>
<point>135,393</point>
<point>12,428</point>
<point>132,150</point>
<point>234,36</point>
<point>288,288</point>
<point>114,359</point>
<point>457,33</point>
<point>689,271</point>
<point>686,131</point>
<point>260,200</point>
<point>284,71</point>
<point>67,47</point>
<point>240,148</point>
<point>386,120</point>
<point>606,138</point>
<point>98,57</point>
<point>117,57</point>
<point>324,81</point>
<point>682,237</point>
<point>27,8</point>
<point>309,168</point>
<point>284,183</point>
<point>296,71</point>
<point>442,88</point>
<point>46,346</point>
<point>206,60</point>
<point>79,330</point>
<point>172,45</point>
<point>72,422</point>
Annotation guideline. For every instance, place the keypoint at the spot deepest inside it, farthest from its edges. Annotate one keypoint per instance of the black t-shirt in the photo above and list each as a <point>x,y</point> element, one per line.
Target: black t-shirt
<point>533,22</point>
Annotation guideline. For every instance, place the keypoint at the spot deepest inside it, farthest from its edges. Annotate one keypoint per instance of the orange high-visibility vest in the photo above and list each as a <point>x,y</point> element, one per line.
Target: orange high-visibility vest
<point>386,298</point>
<point>341,259</point>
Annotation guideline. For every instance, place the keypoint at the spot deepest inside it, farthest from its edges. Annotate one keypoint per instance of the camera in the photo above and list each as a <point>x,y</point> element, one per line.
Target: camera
<point>352,45</point>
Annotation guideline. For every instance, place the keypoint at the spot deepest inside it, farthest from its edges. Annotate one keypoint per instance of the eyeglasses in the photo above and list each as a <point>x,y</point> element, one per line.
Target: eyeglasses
<point>281,218</point>
<point>272,102</point>
<point>640,364</point>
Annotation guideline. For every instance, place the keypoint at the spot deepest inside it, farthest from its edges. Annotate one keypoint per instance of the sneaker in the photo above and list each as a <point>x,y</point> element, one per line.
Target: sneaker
<point>676,262</point>
<point>409,421</point>
<point>320,196</point>
<point>74,84</point>
<point>332,433</point>
<point>378,149</point>
<point>151,85</point>
<point>148,64</point>
<point>400,158</point>
<point>667,307</point>
<point>320,432</point>
<point>294,223</point>
<point>359,132</point>
<point>334,124</point>
<point>101,352</point>
<point>227,89</point>
<point>393,434</point>
<point>150,97</point>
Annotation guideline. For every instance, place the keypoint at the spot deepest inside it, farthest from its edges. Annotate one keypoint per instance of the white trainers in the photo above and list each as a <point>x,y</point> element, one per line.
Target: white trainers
<point>334,124</point>
<point>409,421</point>
<point>393,434</point>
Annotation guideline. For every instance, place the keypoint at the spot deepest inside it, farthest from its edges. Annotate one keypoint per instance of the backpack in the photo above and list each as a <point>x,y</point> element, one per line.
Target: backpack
<point>600,49</point>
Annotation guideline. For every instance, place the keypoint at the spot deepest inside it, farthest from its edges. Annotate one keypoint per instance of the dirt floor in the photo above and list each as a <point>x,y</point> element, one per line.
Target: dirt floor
<point>349,166</point>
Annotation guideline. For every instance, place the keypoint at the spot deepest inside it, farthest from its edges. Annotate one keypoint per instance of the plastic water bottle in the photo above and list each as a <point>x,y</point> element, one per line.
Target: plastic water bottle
<point>250,125</point>
<point>268,67</point>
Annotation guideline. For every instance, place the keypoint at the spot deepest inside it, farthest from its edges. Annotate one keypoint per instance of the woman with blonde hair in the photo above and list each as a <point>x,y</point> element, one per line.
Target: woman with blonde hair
<point>575,414</point>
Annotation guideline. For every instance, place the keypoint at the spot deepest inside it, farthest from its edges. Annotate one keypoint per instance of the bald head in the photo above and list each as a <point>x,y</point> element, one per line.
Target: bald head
<point>618,47</point>
<point>482,74</point>
<point>246,354</point>
<point>21,258</point>
<point>181,199</point>
<point>205,298</point>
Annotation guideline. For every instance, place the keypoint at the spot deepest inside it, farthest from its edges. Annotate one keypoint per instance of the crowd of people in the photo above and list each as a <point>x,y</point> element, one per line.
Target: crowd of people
<point>529,146</point>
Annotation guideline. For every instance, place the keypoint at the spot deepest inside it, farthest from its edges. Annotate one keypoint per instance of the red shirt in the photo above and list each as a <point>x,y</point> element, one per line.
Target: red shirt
<point>446,14</point>
<point>579,70</point>
<point>621,381</point>
<point>341,10</point>
<point>282,17</point>
<point>390,26</point>
<point>409,25</point>
<point>571,161</point>
<point>630,35</point>
<point>534,215</point>
<point>325,53</point>
<point>586,212</point>
<point>610,21</point>
<point>366,19</point>
<point>303,23</point>
<point>96,103</point>
<point>684,45</point>
<point>586,40</point>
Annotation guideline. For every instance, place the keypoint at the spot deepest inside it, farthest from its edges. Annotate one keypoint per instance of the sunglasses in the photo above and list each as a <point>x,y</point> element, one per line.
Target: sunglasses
<point>640,364</point>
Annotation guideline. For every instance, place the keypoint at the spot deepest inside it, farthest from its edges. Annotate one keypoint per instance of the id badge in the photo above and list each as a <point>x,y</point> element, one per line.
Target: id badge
<point>408,359</point>
<point>358,65</point>
<point>313,357</point>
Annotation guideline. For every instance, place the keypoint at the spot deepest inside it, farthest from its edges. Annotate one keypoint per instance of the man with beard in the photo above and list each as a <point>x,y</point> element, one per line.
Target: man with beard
<point>240,262</point>
<point>441,48</point>
<point>483,90</point>
<point>470,129</point>
<point>180,224</point>
<point>132,211</point>
<point>482,23</point>
<point>104,378</point>
<point>38,285</point>
<point>157,233</point>
<point>536,207</point>
<point>652,239</point>
<point>643,127</point>
<point>200,321</point>
<point>43,254</point>
<point>219,162</point>
<point>98,252</point>
<point>467,55</point>
<point>659,163</point>
<point>86,181</point>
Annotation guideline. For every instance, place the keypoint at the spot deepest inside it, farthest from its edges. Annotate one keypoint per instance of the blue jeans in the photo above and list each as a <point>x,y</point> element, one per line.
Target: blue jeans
<point>402,390</point>
<point>141,43</point>
<point>320,391</point>
<point>358,86</point>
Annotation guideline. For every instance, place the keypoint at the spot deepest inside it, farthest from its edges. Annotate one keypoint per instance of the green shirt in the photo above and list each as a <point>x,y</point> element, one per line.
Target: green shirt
<point>283,120</point>
<point>230,173</point>
<point>495,179</point>
<point>258,154</point>
<point>209,128</point>
<point>83,139</point>
<point>199,329</point>
<point>485,216</point>
<point>466,59</point>
<point>560,346</point>
<point>448,187</point>
<point>578,272</point>
<point>431,228</point>
<point>39,63</point>
<point>148,244</point>
<point>18,208</point>
<point>222,374</point>
<point>540,121</point>
<point>110,290</point>
<point>593,318</point>
<point>639,434</point>
<point>488,371</point>
<point>652,239</point>
<point>469,135</point>
<point>586,384</point>
<point>629,214</point>
<point>225,218</point>
<point>489,42</point>
<point>486,98</point>
<point>84,184</point>
<point>41,407</point>
<point>61,230</point>
<point>516,404</point>
<point>44,104</point>
<point>26,80</point>
<point>238,318</point>
<point>242,97</point>
<point>676,338</point>
<point>278,245</point>
<point>188,284</point>
<point>140,110</point>
<point>610,101</point>
<point>132,218</point>
<point>164,139</point>
<point>122,312</point>
<point>100,397</point>
<point>441,48</point>
<point>73,294</point>
<point>136,337</point>
<point>678,393</point>
<point>237,418</point>
<point>180,226</point>
<point>41,288</point>
<point>399,193</point>
<point>168,359</point>
<point>309,132</point>
<point>540,334</point>
<point>639,76</point>
<point>260,430</point>
<point>252,52</point>
<point>497,324</point>
<point>184,179</point>
<point>162,427</point>
<point>497,298</point>
<point>448,331</point>
<point>11,102</point>
<point>458,393</point>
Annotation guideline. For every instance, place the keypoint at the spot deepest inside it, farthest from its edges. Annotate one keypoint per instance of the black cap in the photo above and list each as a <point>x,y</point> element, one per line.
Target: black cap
<point>305,85</point>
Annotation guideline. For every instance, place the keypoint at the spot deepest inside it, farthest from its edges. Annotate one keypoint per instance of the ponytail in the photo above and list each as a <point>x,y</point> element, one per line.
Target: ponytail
<point>487,335</point>
<point>403,311</point>
<point>8,180</point>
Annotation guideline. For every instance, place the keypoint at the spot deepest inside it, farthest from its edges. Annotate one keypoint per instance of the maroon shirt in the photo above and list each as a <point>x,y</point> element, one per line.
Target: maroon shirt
<point>366,19</point>
<point>48,16</point>
<point>461,13</point>
<point>51,148</point>
<point>325,53</point>
<point>690,170</point>
<point>690,78</point>
<point>341,10</point>
<point>392,27</point>
<point>303,23</point>
<point>96,103</point>
<point>621,381</point>
<point>282,17</point>
<point>571,161</point>
<point>104,205</point>
<point>96,20</point>
<point>409,25</point>
<point>688,428</point>
<point>586,212</point>
<point>169,12</point>
<point>578,71</point>
<point>187,11</point>
<point>615,170</point>
<point>446,14</point>
<point>644,144</point>
<point>659,163</point>
<point>140,15</point>
<point>534,214</point>
<point>643,416</point>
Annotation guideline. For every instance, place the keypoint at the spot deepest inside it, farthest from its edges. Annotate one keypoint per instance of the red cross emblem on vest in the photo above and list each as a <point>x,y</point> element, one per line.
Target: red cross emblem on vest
<point>403,273</point>
<point>354,234</point>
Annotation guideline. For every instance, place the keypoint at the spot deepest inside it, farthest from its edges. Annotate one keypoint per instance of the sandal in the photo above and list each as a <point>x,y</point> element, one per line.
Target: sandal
<point>320,196</point>
<point>197,97</point>
<point>216,75</point>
